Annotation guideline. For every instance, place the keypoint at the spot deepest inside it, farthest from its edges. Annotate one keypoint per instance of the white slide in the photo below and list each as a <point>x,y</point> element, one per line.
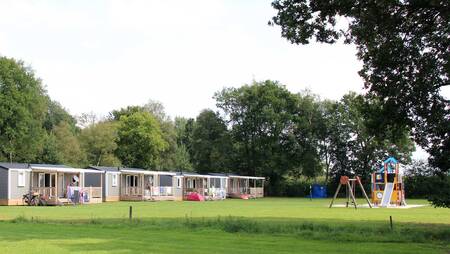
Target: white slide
<point>386,200</point>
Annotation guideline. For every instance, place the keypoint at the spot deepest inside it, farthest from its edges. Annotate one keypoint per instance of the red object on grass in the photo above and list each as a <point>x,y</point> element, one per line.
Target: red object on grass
<point>194,196</point>
<point>244,196</point>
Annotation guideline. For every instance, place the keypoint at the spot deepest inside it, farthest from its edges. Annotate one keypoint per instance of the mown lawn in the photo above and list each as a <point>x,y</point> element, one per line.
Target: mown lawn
<point>269,225</point>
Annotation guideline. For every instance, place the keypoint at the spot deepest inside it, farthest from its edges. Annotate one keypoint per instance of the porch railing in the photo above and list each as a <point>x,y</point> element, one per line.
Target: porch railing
<point>132,191</point>
<point>162,191</point>
<point>257,192</point>
<point>95,192</point>
<point>48,192</point>
<point>188,191</point>
<point>217,193</point>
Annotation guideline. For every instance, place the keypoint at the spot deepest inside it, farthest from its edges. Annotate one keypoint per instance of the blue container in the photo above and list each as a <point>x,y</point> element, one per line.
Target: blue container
<point>318,191</point>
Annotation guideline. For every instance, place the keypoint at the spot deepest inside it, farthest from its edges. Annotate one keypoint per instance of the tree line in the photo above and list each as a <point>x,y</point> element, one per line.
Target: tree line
<point>405,52</point>
<point>262,128</point>
<point>258,129</point>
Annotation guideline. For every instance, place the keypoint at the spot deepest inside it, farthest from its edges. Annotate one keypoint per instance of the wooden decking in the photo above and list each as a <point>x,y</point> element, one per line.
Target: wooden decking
<point>154,193</point>
<point>54,198</point>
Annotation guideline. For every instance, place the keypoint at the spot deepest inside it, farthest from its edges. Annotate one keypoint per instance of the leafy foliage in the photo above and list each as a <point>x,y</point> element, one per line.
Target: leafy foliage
<point>98,140</point>
<point>359,150</point>
<point>68,146</point>
<point>264,130</point>
<point>57,114</point>
<point>211,145</point>
<point>405,50</point>
<point>22,109</point>
<point>261,117</point>
<point>139,140</point>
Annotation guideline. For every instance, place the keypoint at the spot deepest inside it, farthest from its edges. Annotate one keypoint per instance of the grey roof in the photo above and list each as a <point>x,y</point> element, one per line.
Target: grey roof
<point>190,174</point>
<point>217,174</point>
<point>138,169</point>
<point>102,168</point>
<point>232,174</point>
<point>49,165</point>
<point>7,165</point>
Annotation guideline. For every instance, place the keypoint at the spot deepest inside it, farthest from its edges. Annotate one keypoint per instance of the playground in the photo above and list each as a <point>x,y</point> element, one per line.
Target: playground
<point>267,225</point>
<point>387,188</point>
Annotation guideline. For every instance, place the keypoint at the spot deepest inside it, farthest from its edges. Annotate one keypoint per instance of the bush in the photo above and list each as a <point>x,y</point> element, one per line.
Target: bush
<point>424,186</point>
<point>300,188</point>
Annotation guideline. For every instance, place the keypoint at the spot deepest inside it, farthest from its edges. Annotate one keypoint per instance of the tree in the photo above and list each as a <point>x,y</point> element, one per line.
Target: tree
<point>57,114</point>
<point>419,168</point>
<point>98,140</point>
<point>422,180</point>
<point>181,159</point>
<point>50,153</point>
<point>405,51</point>
<point>261,117</point>
<point>139,140</point>
<point>156,108</point>
<point>174,155</point>
<point>184,133</point>
<point>23,107</point>
<point>183,129</point>
<point>129,110</point>
<point>325,135</point>
<point>87,119</point>
<point>68,146</point>
<point>353,147</point>
<point>211,144</point>
<point>307,125</point>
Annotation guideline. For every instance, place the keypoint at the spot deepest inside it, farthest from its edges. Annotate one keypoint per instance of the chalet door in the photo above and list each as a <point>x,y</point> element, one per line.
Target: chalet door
<point>46,184</point>
<point>53,180</point>
<point>41,180</point>
<point>131,183</point>
<point>127,184</point>
<point>61,186</point>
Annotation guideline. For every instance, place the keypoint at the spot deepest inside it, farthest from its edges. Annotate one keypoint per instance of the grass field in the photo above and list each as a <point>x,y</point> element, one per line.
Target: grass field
<point>269,225</point>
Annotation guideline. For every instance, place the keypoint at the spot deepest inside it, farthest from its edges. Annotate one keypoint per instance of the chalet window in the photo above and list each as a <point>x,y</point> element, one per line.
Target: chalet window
<point>114,180</point>
<point>46,180</point>
<point>132,181</point>
<point>21,179</point>
<point>223,183</point>
<point>190,183</point>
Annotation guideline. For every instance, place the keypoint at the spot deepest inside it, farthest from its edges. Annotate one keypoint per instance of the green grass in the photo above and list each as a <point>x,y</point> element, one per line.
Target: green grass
<point>269,225</point>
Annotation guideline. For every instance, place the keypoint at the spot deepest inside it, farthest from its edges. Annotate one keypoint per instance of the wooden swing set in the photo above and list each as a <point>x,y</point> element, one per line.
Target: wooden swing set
<point>350,190</point>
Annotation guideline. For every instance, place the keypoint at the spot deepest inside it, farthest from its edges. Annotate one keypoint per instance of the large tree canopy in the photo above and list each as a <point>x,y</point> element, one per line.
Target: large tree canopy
<point>140,140</point>
<point>23,105</point>
<point>405,49</point>
<point>351,145</point>
<point>262,118</point>
<point>99,142</point>
<point>211,144</point>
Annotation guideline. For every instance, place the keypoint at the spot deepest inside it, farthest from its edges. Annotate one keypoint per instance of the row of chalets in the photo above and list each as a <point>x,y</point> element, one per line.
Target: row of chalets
<point>60,184</point>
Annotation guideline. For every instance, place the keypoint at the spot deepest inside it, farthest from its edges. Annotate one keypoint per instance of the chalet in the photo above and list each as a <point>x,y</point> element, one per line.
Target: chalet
<point>240,186</point>
<point>210,186</point>
<point>60,184</point>
<point>57,184</point>
<point>140,184</point>
<point>111,182</point>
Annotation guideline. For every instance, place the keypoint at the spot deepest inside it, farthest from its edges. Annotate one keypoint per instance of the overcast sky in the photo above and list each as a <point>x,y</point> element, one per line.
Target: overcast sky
<point>95,56</point>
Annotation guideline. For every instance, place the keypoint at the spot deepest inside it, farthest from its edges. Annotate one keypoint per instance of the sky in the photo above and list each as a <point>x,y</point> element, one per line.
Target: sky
<point>96,56</point>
